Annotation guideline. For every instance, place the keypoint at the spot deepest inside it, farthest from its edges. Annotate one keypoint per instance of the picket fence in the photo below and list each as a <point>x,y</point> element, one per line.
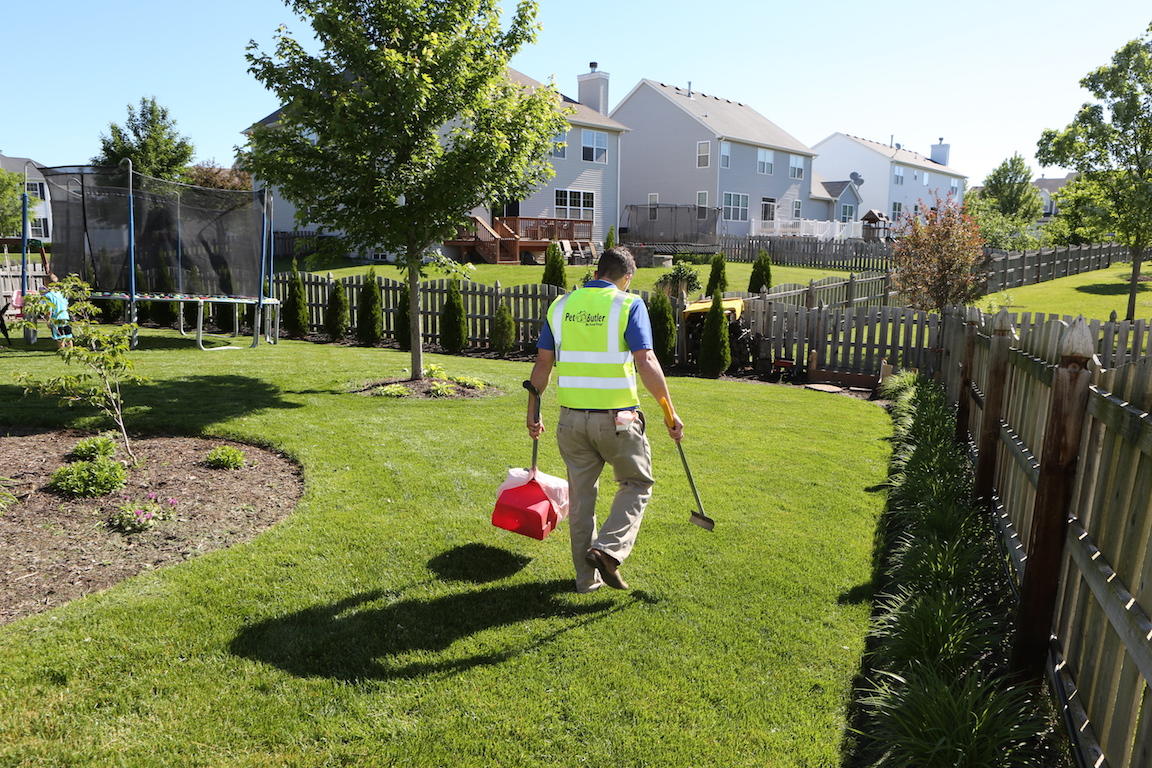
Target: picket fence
<point>1058,415</point>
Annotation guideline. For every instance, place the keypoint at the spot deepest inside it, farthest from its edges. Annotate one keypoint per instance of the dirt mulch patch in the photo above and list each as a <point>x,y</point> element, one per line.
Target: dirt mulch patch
<point>54,549</point>
<point>427,388</point>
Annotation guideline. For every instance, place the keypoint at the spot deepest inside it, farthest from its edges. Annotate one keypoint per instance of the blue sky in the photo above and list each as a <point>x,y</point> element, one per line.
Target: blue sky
<point>987,76</point>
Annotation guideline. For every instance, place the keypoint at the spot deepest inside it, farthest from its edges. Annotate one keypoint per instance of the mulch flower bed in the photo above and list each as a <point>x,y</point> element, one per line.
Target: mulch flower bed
<point>54,549</point>
<point>426,388</point>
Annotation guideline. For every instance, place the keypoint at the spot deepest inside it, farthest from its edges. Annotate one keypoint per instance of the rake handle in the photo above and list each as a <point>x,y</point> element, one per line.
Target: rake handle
<point>536,414</point>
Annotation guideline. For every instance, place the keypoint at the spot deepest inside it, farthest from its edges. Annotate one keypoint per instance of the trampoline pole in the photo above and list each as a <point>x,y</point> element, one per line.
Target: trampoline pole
<point>259,316</point>
<point>179,268</point>
<point>131,250</point>
<point>270,337</point>
<point>29,334</point>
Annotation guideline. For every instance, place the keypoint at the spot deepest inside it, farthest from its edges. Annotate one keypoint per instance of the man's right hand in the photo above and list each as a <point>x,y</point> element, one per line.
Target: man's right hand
<point>676,431</point>
<point>535,429</point>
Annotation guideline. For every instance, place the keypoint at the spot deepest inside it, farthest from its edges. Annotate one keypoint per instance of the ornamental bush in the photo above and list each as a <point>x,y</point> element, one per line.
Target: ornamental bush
<point>369,315</point>
<point>453,321</point>
<point>761,279</point>
<point>403,320</point>
<point>224,457</point>
<point>554,267</point>
<point>336,312</point>
<point>715,352</point>
<point>663,328</point>
<point>88,479</point>
<point>717,279</point>
<point>610,239</point>
<point>296,305</point>
<point>95,447</point>
<point>503,329</point>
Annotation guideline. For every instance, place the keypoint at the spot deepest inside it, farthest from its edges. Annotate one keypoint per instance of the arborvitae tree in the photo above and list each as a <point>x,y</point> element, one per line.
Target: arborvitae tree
<point>369,317</point>
<point>715,354</point>
<point>717,279</point>
<point>453,321</point>
<point>554,267</point>
<point>111,310</point>
<point>296,305</point>
<point>224,316</point>
<point>503,329</point>
<point>610,240</point>
<point>663,328</point>
<point>403,319</point>
<point>336,313</point>
<point>761,279</point>
<point>164,312</point>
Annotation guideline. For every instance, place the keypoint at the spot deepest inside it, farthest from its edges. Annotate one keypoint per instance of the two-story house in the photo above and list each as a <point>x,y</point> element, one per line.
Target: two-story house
<point>891,179</point>
<point>40,213</point>
<point>710,155</point>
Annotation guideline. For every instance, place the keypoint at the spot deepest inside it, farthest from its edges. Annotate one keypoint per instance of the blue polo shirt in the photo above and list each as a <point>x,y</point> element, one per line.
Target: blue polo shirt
<point>637,333</point>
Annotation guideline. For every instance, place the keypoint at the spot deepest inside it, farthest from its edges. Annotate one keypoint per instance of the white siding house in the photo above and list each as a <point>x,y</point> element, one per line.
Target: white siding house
<point>39,214</point>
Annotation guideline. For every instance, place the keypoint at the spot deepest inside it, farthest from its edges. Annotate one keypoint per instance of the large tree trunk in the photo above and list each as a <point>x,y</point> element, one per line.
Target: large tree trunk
<point>416,337</point>
<point>1134,286</point>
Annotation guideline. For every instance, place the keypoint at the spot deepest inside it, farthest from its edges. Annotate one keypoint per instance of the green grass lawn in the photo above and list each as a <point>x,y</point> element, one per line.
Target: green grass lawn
<point>1092,294</point>
<point>738,274</point>
<point>386,622</point>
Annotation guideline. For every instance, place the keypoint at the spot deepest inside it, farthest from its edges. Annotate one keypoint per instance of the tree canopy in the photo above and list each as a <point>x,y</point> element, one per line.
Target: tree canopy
<point>1083,214</point>
<point>211,174</point>
<point>1009,186</point>
<point>403,122</point>
<point>1109,142</point>
<point>150,139</point>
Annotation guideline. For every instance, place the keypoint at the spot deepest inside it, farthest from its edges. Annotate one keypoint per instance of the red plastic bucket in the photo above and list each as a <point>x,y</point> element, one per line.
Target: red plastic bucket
<point>526,510</point>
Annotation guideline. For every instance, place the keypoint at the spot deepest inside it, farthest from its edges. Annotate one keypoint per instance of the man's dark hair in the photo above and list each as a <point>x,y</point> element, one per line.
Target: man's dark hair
<point>615,263</point>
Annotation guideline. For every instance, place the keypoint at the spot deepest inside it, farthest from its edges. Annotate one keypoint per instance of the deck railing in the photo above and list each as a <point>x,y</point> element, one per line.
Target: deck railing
<point>540,229</point>
<point>823,230</point>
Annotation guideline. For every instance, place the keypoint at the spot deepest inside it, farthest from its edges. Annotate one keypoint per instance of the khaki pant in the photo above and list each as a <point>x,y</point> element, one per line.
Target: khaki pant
<point>588,439</point>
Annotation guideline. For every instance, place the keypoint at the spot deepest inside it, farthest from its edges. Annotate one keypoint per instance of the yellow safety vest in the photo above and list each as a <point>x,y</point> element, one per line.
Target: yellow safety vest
<point>593,363</point>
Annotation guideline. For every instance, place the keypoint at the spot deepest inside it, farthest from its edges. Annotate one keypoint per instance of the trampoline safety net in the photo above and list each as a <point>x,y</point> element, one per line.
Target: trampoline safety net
<point>188,240</point>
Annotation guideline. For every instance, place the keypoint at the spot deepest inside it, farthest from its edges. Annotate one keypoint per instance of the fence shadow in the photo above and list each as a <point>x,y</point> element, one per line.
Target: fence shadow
<point>359,638</point>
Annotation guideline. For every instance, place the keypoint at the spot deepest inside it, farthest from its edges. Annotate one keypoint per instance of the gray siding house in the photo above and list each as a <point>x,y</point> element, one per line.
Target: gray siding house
<point>40,213</point>
<point>841,198</point>
<point>891,179</point>
<point>689,148</point>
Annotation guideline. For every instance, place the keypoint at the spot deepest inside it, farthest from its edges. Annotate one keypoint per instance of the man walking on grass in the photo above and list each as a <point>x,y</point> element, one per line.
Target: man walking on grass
<point>598,338</point>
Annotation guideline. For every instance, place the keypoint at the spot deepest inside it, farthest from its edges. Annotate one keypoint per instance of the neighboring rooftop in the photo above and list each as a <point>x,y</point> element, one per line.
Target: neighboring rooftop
<point>729,119</point>
<point>1053,185</point>
<point>16,165</point>
<point>905,156</point>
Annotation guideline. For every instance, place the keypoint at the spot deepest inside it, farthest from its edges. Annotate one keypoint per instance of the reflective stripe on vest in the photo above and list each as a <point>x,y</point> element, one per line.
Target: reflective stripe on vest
<point>593,363</point>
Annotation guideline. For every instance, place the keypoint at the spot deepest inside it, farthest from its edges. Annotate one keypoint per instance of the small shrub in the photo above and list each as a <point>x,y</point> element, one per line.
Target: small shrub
<point>718,277</point>
<point>761,278</point>
<point>391,390</point>
<point>681,279</point>
<point>88,479</point>
<point>96,447</point>
<point>403,320</point>
<point>296,305</point>
<point>441,389</point>
<point>224,316</point>
<point>663,328</point>
<point>693,258</point>
<point>453,321</point>
<point>336,312</point>
<point>435,371</point>
<point>610,238</point>
<point>111,310</point>
<point>7,498</point>
<point>503,329</point>
<point>225,457</point>
<point>715,352</point>
<point>554,267</point>
<point>369,315</point>
<point>468,382</point>
<point>132,518</point>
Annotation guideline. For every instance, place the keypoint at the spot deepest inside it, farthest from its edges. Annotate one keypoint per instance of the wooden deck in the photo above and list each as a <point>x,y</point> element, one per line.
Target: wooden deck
<point>508,237</point>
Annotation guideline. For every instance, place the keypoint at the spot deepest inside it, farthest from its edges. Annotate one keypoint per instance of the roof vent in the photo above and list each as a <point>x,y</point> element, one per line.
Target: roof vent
<point>592,65</point>
<point>897,145</point>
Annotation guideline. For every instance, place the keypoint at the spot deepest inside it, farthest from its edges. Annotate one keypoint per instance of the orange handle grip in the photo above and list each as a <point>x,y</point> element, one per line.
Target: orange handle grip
<point>669,414</point>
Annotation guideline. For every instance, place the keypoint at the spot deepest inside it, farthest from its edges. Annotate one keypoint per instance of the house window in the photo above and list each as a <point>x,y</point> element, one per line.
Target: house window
<point>702,205</point>
<point>955,187</point>
<point>574,204</point>
<point>595,145</point>
<point>725,155</point>
<point>897,210</point>
<point>797,209</point>
<point>765,160</point>
<point>795,167</point>
<point>560,145</point>
<point>767,209</point>
<point>898,175</point>
<point>735,206</point>
<point>35,188</point>
<point>847,213</point>
<point>703,153</point>
<point>653,201</point>
<point>926,175</point>
<point>38,228</point>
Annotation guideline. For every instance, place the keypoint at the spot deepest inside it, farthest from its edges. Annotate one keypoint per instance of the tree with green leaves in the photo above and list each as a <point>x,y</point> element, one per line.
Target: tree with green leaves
<point>403,323</point>
<point>663,328</point>
<point>296,305</point>
<point>12,203</point>
<point>370,312</point>
<point>1009,185</point>
<point>215,176</point>
<point>937,262</point>
<point>336,312</point>
<point>1109,143</point>
<point>503,329</point>
<point>717,278</point>
<point>761,278</point>
<point>402,122</point>
<point>610,238</point>
<point>999,231</point>
<point>715,347</point>
<point>1083,215</point>
<point>453,321</point>
<point>554,272</point>
<point>149,138</point>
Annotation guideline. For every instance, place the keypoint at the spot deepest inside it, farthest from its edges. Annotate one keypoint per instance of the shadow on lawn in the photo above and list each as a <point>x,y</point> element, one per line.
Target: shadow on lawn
<point>1112,289</point>
<point>351,640</point>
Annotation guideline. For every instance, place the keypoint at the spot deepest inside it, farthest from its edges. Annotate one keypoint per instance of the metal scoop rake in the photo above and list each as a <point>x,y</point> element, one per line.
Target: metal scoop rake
<point>698,517</point>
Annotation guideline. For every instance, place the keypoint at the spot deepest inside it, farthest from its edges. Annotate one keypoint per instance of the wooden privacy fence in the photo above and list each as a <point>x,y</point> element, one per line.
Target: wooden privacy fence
<point>1063,442</point>
<point>1013,269</point>
<point>853,255</point>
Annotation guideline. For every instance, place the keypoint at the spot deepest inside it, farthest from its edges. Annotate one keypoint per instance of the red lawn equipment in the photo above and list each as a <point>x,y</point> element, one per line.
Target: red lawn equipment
<point>530,502</point>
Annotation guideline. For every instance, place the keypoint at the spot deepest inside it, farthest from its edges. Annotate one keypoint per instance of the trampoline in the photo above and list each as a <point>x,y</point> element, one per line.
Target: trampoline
<point>136,238</point>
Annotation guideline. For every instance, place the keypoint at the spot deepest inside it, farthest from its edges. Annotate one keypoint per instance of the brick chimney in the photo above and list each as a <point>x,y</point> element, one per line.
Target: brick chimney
<point>594,89</point>
<point>940,152</point>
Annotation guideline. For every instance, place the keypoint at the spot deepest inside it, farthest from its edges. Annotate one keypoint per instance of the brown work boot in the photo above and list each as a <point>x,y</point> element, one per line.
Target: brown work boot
<point>608,568</point>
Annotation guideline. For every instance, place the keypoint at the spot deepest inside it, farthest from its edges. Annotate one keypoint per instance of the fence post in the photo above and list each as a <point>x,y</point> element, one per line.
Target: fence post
<point>993,405</point>
<point>810,295</point>
<point>964,400</point>
<point>1058,459</point>
<point>850,290</point>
